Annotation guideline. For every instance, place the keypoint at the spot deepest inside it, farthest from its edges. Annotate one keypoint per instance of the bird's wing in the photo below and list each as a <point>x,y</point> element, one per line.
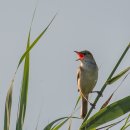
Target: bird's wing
<point>78,76</point>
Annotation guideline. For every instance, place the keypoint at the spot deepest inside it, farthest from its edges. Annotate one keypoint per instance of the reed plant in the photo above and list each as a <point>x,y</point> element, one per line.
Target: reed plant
<point>96,121</point>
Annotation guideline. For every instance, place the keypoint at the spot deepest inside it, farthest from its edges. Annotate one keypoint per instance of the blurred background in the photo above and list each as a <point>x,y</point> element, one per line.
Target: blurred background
<point>103,27</point>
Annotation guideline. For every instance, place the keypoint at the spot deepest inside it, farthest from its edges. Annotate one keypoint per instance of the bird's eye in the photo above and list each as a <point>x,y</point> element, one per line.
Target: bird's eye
<point>88,53</point>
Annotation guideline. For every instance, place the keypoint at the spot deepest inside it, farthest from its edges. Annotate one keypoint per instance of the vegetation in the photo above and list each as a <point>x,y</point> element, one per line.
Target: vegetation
<point>104,115</point>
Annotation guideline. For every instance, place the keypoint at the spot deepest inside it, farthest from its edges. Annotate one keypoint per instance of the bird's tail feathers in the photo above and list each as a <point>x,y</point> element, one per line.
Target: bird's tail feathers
<point>84,107</point>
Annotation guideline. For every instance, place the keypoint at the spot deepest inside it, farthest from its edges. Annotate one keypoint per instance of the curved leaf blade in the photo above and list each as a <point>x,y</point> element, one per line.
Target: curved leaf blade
<point>8,105</point>
<point>77,102</point>
<point>118,76</point>
<point>57,127</point>
<point>49,126</point>
<point>24,90</point>
<point>34,43</point>
<point>109,113</point>
<point>126,122</point>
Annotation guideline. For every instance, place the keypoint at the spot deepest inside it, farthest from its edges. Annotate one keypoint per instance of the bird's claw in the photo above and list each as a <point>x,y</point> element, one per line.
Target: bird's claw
<point>92,105</point>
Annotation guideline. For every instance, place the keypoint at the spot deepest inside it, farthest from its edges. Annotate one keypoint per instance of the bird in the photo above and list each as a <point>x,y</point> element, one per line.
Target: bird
<point>87,76</point>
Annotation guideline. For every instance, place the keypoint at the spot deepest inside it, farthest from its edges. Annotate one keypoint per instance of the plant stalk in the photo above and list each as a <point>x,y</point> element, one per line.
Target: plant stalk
<point>105,84</point>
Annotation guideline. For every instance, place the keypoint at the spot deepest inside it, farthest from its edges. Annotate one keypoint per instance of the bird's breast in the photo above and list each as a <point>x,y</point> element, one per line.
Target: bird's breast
<point>88,78</point>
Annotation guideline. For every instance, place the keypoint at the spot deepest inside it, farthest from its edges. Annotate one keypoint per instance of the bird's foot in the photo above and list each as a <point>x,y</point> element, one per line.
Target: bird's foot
<point>92,105</point>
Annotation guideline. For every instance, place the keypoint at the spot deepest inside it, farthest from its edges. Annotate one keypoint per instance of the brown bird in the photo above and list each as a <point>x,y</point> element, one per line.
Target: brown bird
<point>87,76</point>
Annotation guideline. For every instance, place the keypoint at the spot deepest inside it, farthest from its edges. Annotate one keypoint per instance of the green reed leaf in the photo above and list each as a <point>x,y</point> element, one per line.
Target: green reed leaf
<point>118,76</point>
<point>8,105</point>
<point>109,113</point>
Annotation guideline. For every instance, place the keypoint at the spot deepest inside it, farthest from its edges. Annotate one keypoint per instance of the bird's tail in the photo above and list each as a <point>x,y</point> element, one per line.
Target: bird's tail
<point>84,107</point>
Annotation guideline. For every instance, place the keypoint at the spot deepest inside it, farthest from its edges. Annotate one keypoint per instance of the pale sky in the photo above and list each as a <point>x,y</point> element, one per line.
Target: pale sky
<point>103,27</point>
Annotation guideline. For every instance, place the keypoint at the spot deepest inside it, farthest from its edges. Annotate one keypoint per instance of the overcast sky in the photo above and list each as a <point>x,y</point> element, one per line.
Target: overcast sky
<point>103,27</point>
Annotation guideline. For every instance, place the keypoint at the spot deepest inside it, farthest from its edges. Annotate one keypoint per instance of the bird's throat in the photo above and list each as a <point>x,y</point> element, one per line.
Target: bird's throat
<point>88,65</point>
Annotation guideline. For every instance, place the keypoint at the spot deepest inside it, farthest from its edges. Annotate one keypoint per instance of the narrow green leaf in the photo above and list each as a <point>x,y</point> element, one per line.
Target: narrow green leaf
<point>110,125</point>
<point>126,126</point>
<point>57,127</point>
<point>77,102</point>
<point>70,122</point>
<point>109,113</point>
<point>34,43</point>
<point>127,119</point>
<point>24,91</point>
<point>8,105</point>
<point>118,76</point>
<point>49,126</point>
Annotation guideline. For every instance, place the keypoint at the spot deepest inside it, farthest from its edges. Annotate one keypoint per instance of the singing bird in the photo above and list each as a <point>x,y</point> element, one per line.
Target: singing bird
<point>87,75</point>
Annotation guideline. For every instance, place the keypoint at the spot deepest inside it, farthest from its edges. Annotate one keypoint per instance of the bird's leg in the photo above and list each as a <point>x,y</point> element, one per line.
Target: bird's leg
<point>92,104</point>
<point>98,92</point>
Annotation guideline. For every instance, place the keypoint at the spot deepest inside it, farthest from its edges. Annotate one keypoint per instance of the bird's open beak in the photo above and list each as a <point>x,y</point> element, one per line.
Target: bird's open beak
<point>80,55</point>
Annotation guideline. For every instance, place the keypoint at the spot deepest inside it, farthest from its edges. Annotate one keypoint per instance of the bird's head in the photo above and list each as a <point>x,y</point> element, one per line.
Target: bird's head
<point>84,55</point>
